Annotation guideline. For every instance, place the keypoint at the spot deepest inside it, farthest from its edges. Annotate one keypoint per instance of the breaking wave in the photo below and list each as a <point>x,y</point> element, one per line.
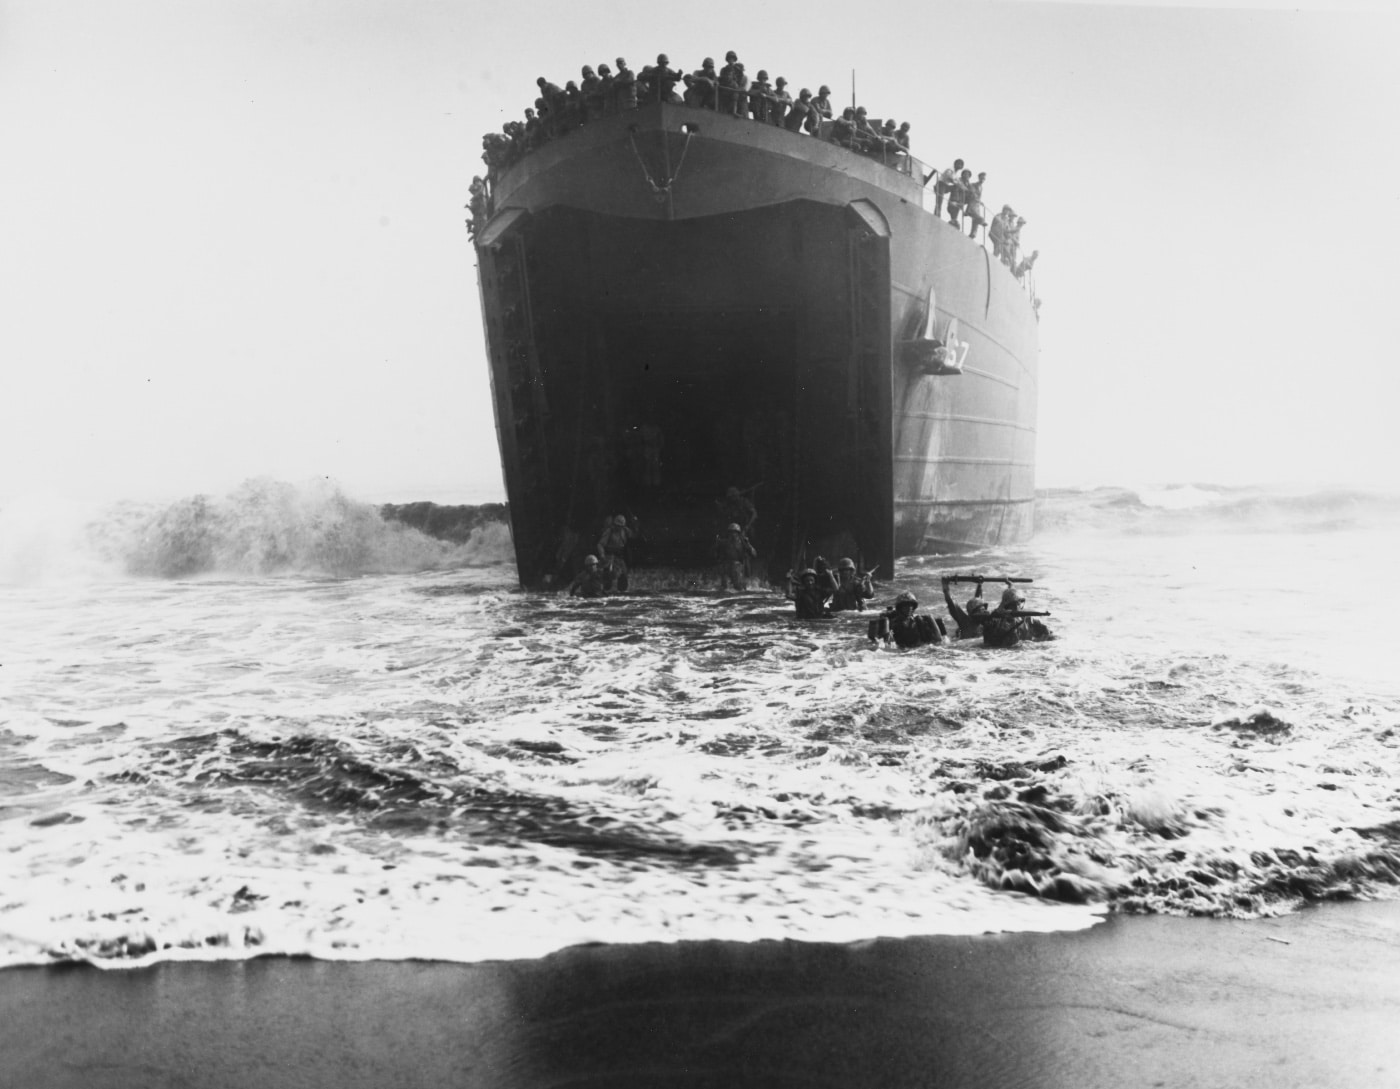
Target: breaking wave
<point>263,527</point>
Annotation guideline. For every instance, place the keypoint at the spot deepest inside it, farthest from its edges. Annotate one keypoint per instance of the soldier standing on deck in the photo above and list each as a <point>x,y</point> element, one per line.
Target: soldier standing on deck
<point>727,81</point>
<point>822,103</point>
<point>591,91</point>
<point>701,85</point>
<point>664,79</point>
<point>760,97</point>
<point>606,90</point>
<point>624,87</point>
<point>782,103</point>
<point>800,113</point>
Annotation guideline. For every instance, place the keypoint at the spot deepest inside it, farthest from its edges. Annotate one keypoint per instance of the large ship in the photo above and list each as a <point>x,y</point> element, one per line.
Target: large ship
<point>679,301</point>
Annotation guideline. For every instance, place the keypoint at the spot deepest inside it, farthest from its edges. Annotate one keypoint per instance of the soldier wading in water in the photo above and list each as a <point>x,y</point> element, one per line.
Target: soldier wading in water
<point>592,581</point>
<point>1007,625</point>
<point>898,623</point>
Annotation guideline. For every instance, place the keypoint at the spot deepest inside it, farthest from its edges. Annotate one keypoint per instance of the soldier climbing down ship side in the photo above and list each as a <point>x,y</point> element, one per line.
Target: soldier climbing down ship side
<point>943,188</point>
<point>737,507</point>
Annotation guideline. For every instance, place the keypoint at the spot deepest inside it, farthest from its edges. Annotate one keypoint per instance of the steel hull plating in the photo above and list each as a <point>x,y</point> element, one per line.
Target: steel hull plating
<point>677,302</point>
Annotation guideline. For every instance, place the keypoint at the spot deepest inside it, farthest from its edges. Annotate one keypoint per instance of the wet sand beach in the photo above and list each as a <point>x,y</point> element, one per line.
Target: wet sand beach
<point>1309,999</point>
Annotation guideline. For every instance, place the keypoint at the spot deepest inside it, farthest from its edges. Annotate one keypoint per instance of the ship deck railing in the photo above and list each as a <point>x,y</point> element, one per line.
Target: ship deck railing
<point>892,155</point>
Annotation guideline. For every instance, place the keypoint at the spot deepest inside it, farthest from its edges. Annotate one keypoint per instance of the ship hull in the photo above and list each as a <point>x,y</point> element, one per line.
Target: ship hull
<point>678,303</point>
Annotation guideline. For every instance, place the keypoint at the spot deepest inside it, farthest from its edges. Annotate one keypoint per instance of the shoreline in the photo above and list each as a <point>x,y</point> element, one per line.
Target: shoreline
<point>1308,999</point>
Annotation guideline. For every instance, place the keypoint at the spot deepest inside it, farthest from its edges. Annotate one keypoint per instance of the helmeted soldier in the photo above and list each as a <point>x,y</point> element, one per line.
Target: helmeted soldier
<point>591,581</point>
<point>853,589</point>
<point>591,89</point>
<point>1002,630</point>
<point>808,598</point>
<point>532,129</point>
<point>968,619</point>
<point>624,86</point>
<point>734,552</point>
<point>701,85</point>
<point>760,97</point>
<point>663,80</point>
<point>477,205</point>
<point>613,549</point>
<point>822,103</point>
<point>974,208</point>
<point>606,89</point>
<point>900,624</point>
<point>553,96</point>
<point>782,102</point>
<point>959,197</point>
<point>733,85</point>
<point>800,112</point>
<point>843,129</point>
<point>573,106</point>
<point>947,181</point>
<point>998,230</point>
<point>867,139</point>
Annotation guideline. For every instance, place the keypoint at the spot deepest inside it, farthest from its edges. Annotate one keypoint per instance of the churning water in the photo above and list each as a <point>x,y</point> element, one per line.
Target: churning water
<point>275,723</point>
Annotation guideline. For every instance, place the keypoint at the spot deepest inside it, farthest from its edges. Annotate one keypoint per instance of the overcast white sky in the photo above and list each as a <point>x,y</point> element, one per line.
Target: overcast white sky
<point>232,243</point>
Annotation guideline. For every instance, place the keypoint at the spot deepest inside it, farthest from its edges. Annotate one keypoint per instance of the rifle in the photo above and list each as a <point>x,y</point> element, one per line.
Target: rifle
<point>982,578</point>
<point>868,574</point>
<point>1004,614</point>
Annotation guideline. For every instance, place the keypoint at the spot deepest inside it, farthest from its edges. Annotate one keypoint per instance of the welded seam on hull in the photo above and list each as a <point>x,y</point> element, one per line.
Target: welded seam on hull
<point>920,459</point>
<point>990,377</point>
<point>962,502</point>
<point>951,418</point>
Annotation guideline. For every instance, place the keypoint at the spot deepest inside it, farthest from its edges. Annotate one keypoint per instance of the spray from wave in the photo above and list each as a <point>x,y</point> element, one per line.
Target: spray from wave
<point>263,527</point>
<point>1174,509</point>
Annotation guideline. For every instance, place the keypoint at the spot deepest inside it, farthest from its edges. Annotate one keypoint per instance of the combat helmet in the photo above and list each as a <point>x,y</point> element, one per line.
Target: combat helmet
<point>906,597</point>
